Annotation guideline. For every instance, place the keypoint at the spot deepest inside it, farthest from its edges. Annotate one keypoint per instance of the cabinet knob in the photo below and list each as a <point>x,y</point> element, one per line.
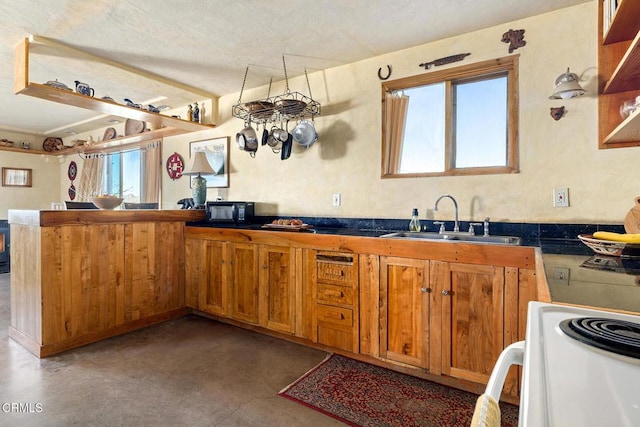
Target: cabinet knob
<point>264,267</point>
<point>445,293</point>
<point>425,290</point>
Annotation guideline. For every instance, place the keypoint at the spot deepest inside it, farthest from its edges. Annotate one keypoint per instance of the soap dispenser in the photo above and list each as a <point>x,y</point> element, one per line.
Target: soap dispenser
<point>414,225</point>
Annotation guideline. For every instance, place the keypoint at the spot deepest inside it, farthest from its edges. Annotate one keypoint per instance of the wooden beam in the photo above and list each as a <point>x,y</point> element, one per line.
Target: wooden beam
<point>143,73</point>
<point>21,66</point>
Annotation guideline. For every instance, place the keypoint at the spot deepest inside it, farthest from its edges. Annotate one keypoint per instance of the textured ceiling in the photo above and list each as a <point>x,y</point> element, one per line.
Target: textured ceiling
<point>208,44</point>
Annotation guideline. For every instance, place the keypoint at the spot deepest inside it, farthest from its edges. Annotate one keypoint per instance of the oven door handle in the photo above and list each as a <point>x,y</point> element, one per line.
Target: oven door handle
<point>512,355</point>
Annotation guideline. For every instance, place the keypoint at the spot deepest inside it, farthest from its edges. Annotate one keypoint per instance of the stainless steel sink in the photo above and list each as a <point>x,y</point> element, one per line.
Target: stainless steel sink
<point>462,237</point>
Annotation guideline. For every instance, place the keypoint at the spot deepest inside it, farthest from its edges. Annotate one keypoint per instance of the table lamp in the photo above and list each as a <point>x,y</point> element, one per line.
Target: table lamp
<point>198,164</point>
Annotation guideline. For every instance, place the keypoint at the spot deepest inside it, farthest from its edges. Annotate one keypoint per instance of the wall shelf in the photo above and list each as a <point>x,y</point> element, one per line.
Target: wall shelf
<point>23,150</point>
<point>625,23</point>
<point>618,75</point>
<point>626,76</point>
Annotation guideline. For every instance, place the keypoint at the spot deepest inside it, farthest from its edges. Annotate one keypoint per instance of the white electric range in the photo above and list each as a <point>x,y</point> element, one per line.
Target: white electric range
<point>581,367</point>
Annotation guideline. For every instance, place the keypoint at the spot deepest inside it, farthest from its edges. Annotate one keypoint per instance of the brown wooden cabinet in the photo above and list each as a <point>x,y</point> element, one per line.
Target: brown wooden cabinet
<point>404,310</point>
<point>450,318</point>
<point>618,70</point>
<point>80,277</point>
<point>336,315</point>
<point>427,308</point>
<point>277,289</point>
<point>207,275</point>
<point>251,283</point>
<point>472,308</point>
<point>244,282</point>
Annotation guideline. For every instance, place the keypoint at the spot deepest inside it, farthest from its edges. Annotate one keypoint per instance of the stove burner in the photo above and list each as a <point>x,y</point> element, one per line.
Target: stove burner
<point>617,336</point>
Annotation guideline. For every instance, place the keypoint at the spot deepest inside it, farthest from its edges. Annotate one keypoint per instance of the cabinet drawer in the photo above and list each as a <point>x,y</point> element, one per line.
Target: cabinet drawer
<point>335,316</point>
<point>337,269</point>
<point>334,294</point>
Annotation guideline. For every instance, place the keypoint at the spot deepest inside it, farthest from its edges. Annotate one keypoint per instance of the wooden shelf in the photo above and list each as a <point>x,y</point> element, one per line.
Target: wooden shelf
<point>74,99</point>
<point>103,146</point>
<point>23,150</point>
<point>626,76</point>
<point>625,23</point>
<point>166,125</point>
<point>628,130</point>
<point>130,140</point>
<point>618,75</point>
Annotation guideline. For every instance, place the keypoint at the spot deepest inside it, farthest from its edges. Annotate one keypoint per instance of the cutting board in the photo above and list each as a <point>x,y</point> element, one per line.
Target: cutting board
<point>632,220</point>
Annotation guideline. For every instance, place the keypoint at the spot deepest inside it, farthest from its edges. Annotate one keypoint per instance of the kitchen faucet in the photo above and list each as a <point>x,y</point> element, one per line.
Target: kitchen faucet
<point>456,225</point>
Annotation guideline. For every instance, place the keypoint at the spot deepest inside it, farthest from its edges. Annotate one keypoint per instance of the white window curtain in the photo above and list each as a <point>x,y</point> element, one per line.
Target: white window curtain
<point>93,171</point>
<point>90,178</point>
<point>396,105</point>
<point>153,173</point>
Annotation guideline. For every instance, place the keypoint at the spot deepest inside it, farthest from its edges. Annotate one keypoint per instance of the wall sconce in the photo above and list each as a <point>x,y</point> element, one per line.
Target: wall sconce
<point>567,86</point>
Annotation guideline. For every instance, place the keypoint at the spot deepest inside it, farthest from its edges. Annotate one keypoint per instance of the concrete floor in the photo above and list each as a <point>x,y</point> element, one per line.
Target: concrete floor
<point>186,372</point>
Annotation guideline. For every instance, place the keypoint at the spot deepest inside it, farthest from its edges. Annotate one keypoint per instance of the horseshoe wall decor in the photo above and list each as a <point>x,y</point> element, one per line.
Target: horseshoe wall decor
<point>388,73</point>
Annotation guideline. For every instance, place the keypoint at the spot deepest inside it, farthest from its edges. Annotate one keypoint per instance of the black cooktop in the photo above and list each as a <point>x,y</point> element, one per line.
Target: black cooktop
<point>617,336</point>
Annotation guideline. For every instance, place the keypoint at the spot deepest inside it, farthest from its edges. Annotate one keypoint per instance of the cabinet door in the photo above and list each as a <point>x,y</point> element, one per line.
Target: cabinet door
<point>472,304</point>
<point>277,288</point>
<point>404,310</point>
<point>206,275</point>
<point>243,295</point>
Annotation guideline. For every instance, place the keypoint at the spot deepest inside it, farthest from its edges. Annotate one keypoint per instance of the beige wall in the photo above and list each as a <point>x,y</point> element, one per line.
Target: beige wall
<point>346,159</point>
<point>45,176</point>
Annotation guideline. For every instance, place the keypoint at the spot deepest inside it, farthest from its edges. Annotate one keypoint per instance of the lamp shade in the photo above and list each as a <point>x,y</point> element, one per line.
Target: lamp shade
<point>567,86</point>
<point>198,164</point>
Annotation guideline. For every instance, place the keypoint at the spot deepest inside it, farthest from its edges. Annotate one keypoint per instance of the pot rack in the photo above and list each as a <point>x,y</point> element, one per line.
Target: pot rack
<point>278,108</point>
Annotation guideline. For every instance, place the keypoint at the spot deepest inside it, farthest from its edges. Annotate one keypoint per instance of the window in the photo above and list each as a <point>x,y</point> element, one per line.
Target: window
<point>122,177</point>
<point>133,175</point>
<point>458,121</point>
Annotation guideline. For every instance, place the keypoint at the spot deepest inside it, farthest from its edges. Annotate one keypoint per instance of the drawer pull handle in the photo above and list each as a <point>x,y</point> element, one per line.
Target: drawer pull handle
<point>339,316</point>
<point>334,293</point>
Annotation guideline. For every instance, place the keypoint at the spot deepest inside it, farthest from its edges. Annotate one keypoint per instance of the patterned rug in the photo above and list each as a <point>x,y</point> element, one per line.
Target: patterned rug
<point>360,394</point>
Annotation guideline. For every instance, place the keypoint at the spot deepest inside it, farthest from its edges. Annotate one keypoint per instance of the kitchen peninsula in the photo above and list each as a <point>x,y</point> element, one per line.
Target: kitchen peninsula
<point>79,276</point>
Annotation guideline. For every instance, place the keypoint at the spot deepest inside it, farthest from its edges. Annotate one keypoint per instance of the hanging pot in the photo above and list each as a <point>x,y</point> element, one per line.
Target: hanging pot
<point>305,133</point>
<point>273,142</point>
<point>247,139</point>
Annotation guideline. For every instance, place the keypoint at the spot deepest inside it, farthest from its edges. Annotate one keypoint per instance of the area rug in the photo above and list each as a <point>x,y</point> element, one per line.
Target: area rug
<point>360,394</point>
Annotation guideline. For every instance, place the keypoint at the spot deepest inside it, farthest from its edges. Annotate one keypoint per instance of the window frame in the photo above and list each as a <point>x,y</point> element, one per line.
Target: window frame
<point>470,72</point>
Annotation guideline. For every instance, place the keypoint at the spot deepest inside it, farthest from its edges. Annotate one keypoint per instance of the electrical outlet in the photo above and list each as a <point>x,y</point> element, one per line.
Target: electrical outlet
<point>561,274</point>
<point>336,199</point>
<point>560,197</point>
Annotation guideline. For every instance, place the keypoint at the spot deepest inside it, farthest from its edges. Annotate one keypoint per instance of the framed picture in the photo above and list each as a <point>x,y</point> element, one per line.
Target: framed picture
<point>14,177</point>
<point>217,151</point>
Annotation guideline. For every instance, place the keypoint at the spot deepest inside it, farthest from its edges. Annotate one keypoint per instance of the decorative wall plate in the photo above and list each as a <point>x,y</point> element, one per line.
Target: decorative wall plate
<point>175,166</point>
<point>72,172</point>
<point>132,127</point>
<point>72,192</point>
<point>109,133</point>
<point>52,144</point>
